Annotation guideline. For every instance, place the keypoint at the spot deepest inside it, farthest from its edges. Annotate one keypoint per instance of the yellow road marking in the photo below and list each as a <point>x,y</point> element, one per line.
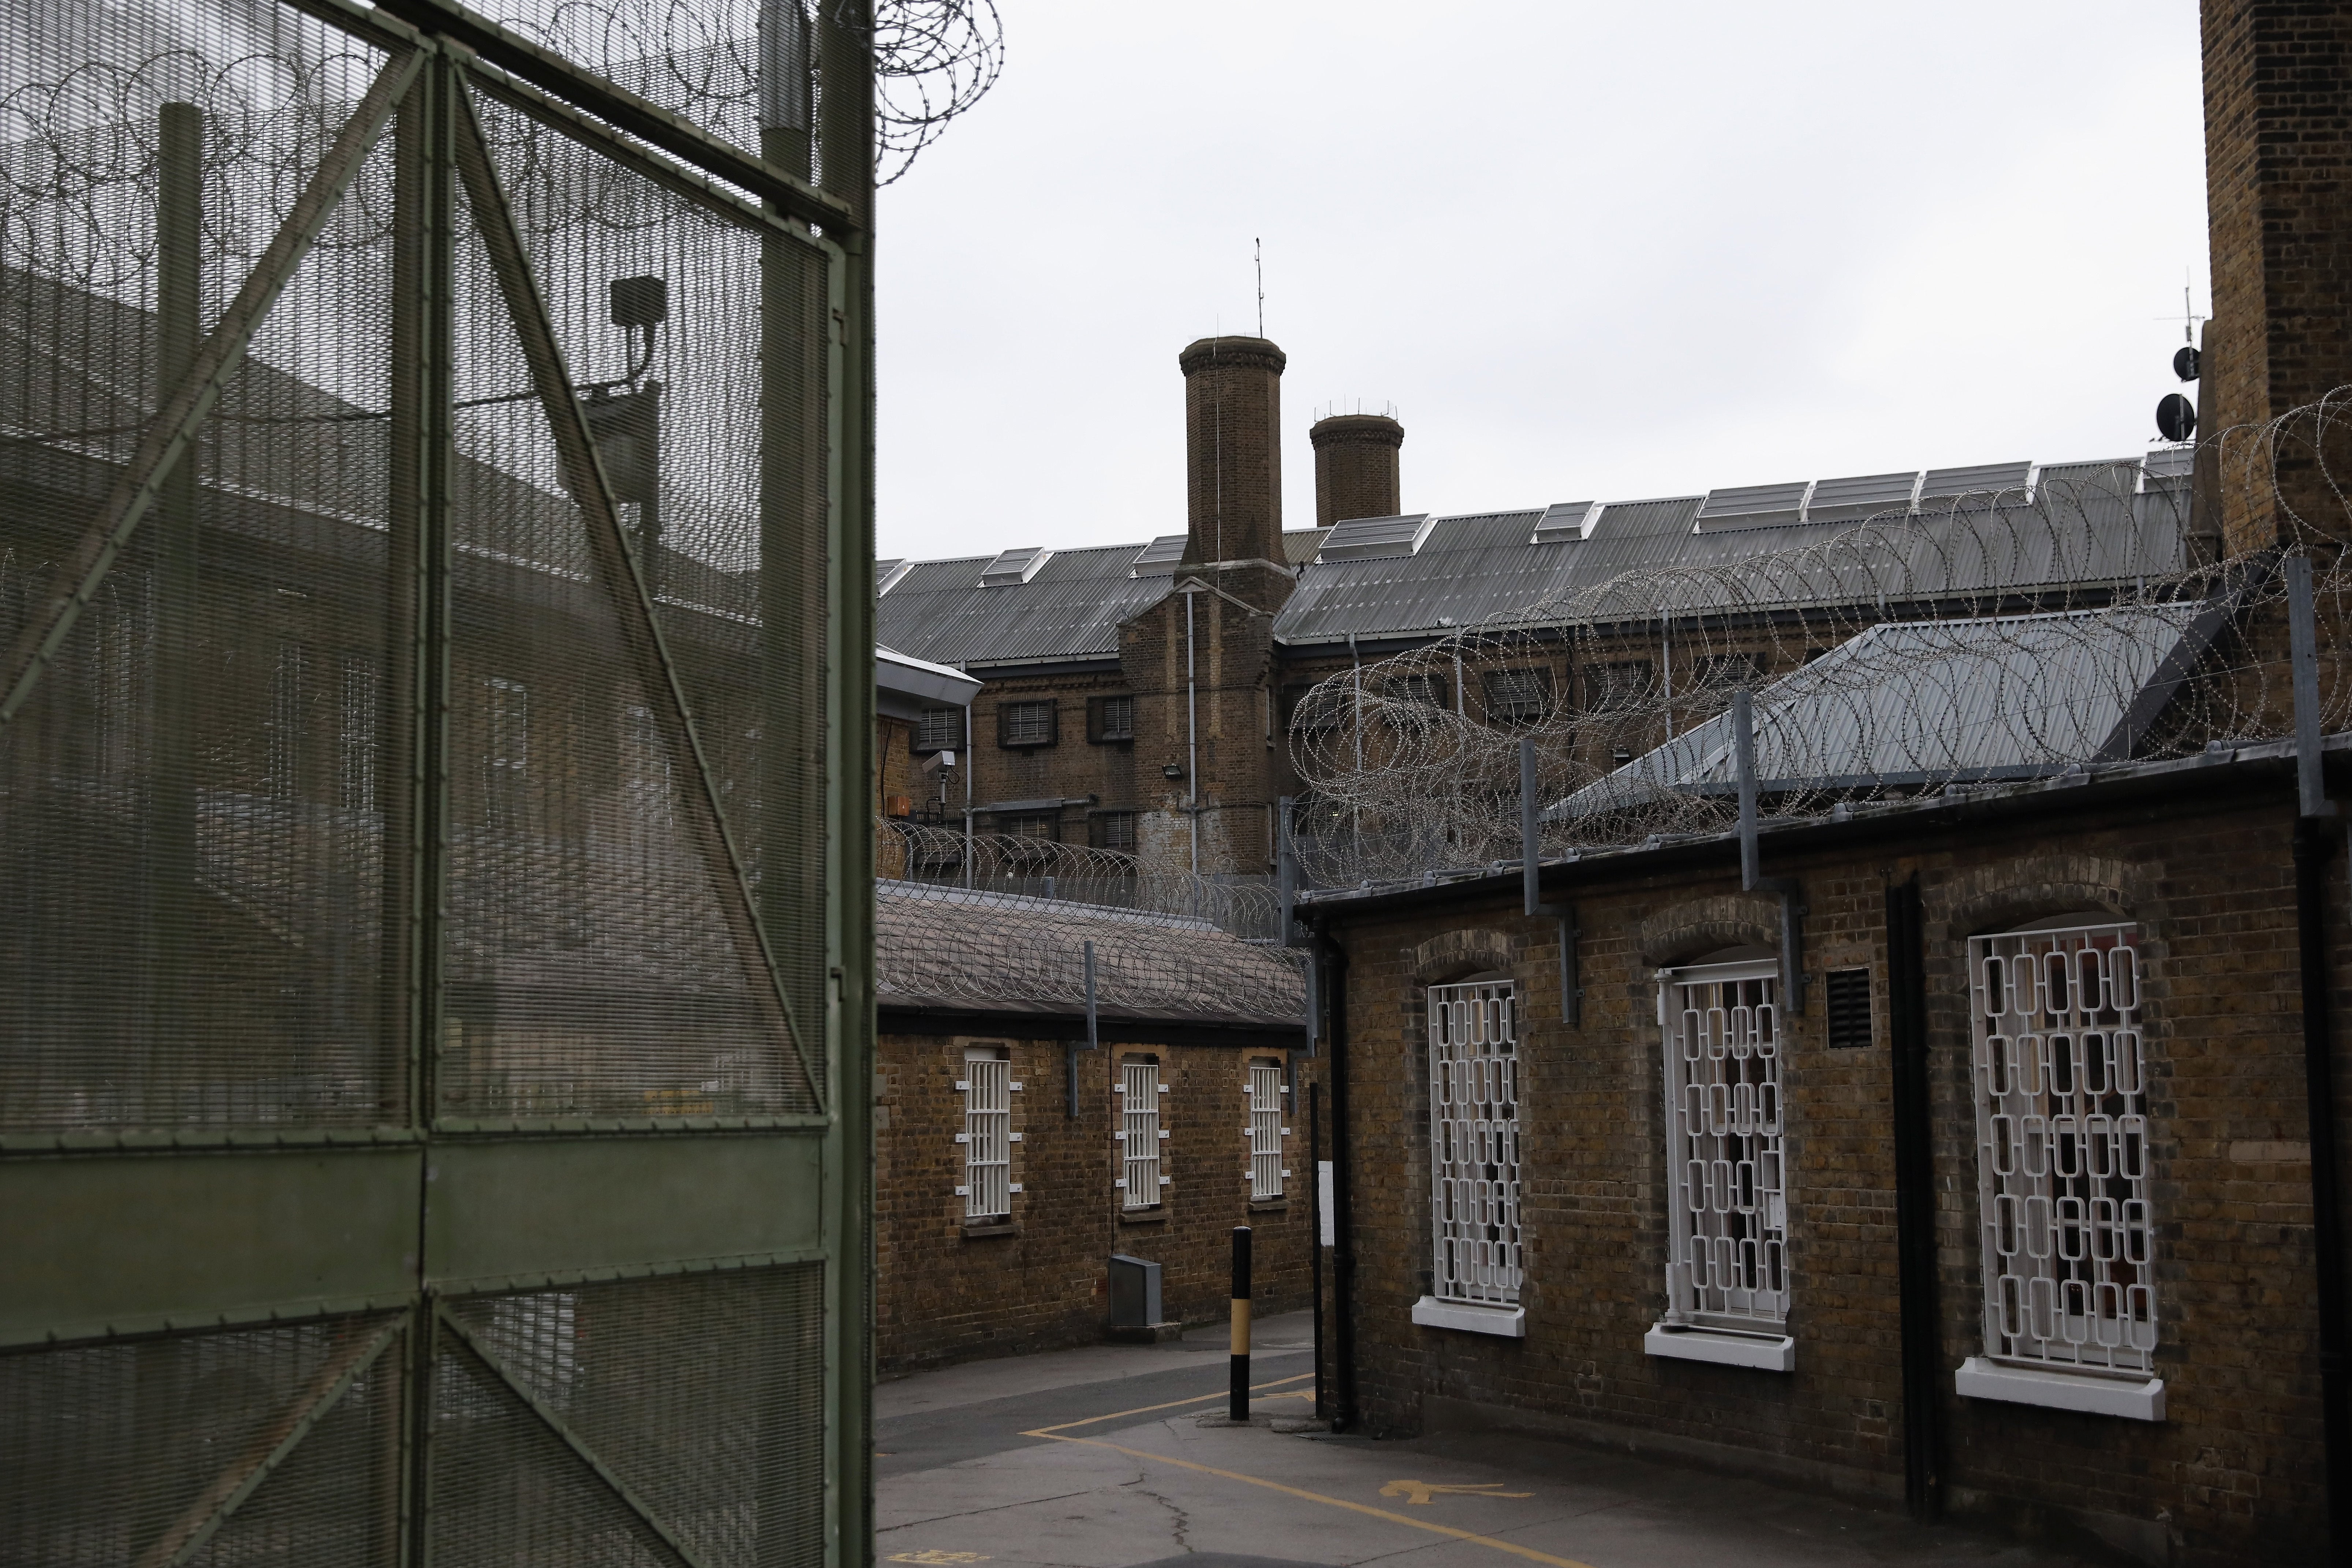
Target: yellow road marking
<point>928,1555</point>
<point>1422,1491</point>
<point>1147,1409</point>
<point>1530,1553</point>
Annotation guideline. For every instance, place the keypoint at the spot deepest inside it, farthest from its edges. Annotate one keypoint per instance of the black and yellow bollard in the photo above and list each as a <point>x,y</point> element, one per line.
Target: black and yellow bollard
<point>1237,1402</point>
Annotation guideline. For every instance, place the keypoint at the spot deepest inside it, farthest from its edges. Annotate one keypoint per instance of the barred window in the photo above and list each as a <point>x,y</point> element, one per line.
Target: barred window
<point>2062,1149</point>
<point>1040,824</point>
<point>1115,830</point>
<point>1421,690</point>
<point>1473,1141</point>
<point>1025,723</point>
<point>1141,1134</point>
<point>939,730</point>
<point>355,736</point>
<point>1728,1266</point>
<point>289,720</point>
<point>505,756</point>
<point>1517,695</point>
<point>987,1135</point>
<point>1113,718</point>
<point>1265,1129</point>
<point>1622,683</point>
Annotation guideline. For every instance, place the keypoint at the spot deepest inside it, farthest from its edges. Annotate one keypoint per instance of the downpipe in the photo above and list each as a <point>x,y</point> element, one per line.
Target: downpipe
<point>2315,844</point>
<point>1332,960</point>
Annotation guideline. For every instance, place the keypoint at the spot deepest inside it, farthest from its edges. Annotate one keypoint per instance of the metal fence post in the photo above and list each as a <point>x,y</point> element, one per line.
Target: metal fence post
<point>1237,1394</point>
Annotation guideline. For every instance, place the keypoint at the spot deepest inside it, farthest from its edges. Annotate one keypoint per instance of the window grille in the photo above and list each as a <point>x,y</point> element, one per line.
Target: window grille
<point>1115,718</point>
<point>288,722</point>
<point>1039,825</point>
<point>939,730</point>
<point>355,737</point>
<point>1028,723</point>
<point>506,756</point>
<point>2062,1148</point>
<point>1428,691</point>
<point>1473,1141</point>
<point>1517,695</point>
<point>1729,1263</point>
<point>1626,681</point>
<point>1115,830</point>
<point>1139,1126</point>
<point>988,1136</point>
<point>1265,1129</point>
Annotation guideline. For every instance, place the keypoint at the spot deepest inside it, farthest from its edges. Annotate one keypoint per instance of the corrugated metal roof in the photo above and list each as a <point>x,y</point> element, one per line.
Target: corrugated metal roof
<point>1924,701</point>
<point>1070,610</point>
<point>2093,522</point>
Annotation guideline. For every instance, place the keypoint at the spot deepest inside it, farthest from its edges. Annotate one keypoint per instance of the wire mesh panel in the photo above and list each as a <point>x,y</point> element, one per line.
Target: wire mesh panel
<point>131,1452</point>
<point>1473,1141</point>
<point>2062,1148</point>
<point>1727,1187</point>
<point>987,1136</point>
<point>1139,1134</point>
<point>1264,1094</point>
<point>192,871</point>
<point>600,956</point>
<point>702,1395</point>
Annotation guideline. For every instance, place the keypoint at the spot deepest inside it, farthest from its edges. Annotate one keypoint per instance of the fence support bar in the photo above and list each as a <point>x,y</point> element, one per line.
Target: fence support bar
<point>1751,878</point>
<point>1572,994</point>
<point>2303,644</point>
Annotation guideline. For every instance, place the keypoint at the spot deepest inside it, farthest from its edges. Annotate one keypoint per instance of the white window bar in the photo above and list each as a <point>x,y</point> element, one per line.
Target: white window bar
<point>1473,1141</point>
<point>1727,1264</point>
<point>1138,1120</point>
<point>1265,1129</point>
<point>2062,1149</point>
<point>988,1136</point>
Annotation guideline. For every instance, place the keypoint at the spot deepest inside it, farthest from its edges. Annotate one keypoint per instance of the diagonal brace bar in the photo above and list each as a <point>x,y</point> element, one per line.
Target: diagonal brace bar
<point>174,430</point>
<point>571,1440</point>
<point>621,577</point>
<point>267,1450</point>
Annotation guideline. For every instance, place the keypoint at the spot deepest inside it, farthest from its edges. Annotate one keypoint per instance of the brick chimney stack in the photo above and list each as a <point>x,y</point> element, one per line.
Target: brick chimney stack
<point>1233,449</point>
<point>1356,466</point>
<point>2278,146</point>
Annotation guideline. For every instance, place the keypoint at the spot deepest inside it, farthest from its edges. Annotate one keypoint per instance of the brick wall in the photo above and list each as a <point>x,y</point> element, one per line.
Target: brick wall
<point>2278,153</point>
<point>949,1293</point>
<point>2231,1470</point>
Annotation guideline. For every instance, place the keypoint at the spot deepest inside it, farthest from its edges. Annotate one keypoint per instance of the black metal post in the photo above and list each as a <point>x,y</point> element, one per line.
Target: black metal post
<point>2315,842</point>
<point>1343,1254</point>
<point>1915,1197</point>
<point>1237,1394</point>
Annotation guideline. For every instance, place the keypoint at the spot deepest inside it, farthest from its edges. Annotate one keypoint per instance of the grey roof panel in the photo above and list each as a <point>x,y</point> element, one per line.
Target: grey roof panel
<point>1070,610</point>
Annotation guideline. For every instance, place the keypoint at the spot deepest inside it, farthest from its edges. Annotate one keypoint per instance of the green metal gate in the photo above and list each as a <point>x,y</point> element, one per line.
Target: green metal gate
<point>435,732</point>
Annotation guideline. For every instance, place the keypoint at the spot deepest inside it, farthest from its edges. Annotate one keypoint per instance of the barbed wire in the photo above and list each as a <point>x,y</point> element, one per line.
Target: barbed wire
<point>933,59</point>
<point>1985,639</point>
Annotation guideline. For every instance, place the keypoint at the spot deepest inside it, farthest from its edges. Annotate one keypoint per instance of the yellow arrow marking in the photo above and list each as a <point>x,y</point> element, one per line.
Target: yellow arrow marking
<point>1422,1491</point>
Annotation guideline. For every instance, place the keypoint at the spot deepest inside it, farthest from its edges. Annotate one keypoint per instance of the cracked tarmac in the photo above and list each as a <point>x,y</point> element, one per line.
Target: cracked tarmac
<point>1011,1463</point>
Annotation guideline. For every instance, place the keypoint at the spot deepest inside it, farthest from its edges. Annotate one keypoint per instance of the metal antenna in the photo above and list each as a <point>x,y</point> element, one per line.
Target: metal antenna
<point>1257,249</point>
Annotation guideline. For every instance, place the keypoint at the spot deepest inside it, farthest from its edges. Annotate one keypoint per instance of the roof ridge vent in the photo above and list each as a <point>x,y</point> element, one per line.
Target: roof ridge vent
<point>1753,506</point>
<point>1159,557</point>
<point>1976,480</point>
<point>1376,538</point>
<point>888,575</point>
<point>1014,566</point>
<point>1565,521</point>
<point>1861,495</point>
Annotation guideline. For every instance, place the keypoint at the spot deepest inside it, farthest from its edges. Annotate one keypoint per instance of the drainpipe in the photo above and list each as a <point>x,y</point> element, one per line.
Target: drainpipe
<point>2313,846</point>
<point>970,764</point>
<point>1915,1198</point>
<point>1356,813</point>
<point>1751,877</point>
<point>1192,736</point>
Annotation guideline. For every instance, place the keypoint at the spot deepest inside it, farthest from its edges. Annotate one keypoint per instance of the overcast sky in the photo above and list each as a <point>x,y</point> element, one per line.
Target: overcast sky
<point>1589,251</point>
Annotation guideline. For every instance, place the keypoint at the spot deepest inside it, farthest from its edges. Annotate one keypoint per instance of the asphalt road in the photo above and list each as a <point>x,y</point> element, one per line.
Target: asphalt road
<point>1113,1456</point>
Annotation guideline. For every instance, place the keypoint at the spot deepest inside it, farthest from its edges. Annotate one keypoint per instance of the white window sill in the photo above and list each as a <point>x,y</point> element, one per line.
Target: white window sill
<point>1511,1323</point>
<point>1766,1352</point>
<point>2134,1401</point>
